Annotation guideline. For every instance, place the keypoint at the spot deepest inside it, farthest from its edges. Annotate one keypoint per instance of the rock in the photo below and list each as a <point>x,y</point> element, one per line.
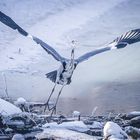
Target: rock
<point>133,132</point>
<point>78,126</point>
<point>63,134</point>
<point>96,125</point>
<point>20,101</point>
<point>113,131</point>
<point>76,114</point>
<point>94,132</point>
<point>135,122</point>
<point>6,108</point>
<point>18,137</point>
<point>131,115</point>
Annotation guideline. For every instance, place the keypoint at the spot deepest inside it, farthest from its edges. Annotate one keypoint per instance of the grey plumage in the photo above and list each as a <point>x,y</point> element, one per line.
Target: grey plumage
<point>52,75</point>
<point>130,37</point>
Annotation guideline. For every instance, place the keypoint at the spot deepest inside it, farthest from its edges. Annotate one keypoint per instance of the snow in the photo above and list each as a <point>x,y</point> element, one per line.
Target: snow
<point>18,137</point>
<point>76,113</point>
<point>113,131</point>
<point>20,101</point>
<point>7,108</point>
<point>78,126</point>
<point>135,113</point>
<point>63,134</point>
<point>96,125</point>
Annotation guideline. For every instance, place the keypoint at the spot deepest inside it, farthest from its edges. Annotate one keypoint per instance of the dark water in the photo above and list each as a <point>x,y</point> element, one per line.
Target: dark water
<point>113,97</point>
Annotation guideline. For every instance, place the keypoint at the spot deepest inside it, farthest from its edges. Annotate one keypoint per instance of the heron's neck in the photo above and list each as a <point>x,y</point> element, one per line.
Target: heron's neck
<point>72,55</point>
<point>72,58</point>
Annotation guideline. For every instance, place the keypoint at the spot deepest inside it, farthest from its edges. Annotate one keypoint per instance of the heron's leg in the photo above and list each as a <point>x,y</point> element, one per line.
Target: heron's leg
<point>54,107</point>
<point>47,103</point>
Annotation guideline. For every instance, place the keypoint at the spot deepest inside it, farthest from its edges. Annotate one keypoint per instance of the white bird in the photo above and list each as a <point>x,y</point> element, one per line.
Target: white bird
<point>63,75</point>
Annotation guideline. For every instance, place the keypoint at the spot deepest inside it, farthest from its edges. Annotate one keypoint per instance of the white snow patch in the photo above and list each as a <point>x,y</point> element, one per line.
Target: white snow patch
<point>64,134</point>
<point>20,101</point>
<point>7,108</point>
<point>113,131</point>
<point>75,126</point>
<point>18,137</point>
<point>76,113</point>
<point>136,113</point>
<point>96,125</point>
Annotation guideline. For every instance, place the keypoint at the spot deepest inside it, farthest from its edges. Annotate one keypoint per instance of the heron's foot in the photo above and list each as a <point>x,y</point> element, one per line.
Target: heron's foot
<point>53,110</point>
<point>47,106</point>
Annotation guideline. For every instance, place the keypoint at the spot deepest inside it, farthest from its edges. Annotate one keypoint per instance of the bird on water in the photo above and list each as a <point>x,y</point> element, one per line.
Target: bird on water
<point>64,74</point>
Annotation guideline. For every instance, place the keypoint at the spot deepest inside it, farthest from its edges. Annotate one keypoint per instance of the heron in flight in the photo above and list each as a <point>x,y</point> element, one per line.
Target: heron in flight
<point>64,74</point>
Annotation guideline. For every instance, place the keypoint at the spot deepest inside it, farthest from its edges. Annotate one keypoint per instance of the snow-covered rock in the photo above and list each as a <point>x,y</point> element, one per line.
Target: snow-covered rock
<point>131,115</point>
<point>133,132</point>
<point>113,131</point>
<point>135,122</point>
<point>96,125</point>
<point>63,134</point>
<point>18,137</point>
<point>74,125</point>
<point>76,114</point>
<point>6,108</point>
<point>20,101</point>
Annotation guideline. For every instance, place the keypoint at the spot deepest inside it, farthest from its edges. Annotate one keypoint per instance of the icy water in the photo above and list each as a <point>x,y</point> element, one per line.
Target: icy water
<point>110,81</point>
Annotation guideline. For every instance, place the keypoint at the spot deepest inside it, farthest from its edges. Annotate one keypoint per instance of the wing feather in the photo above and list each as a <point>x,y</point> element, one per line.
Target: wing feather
<point>130,37</point>
<point>9,22</point>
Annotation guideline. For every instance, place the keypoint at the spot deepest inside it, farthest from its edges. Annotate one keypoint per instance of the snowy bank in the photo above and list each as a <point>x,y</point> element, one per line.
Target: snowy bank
<point>7,108</point>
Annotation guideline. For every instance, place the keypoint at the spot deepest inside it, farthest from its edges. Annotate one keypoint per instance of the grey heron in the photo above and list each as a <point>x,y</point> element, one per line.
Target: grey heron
<point>63,75</point>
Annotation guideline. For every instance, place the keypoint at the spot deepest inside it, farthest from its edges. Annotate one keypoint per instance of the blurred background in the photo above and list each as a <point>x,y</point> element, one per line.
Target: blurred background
<point>109,81</point>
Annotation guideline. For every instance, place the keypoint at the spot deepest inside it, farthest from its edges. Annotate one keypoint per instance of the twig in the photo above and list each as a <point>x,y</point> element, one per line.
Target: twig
<point>6,88</point>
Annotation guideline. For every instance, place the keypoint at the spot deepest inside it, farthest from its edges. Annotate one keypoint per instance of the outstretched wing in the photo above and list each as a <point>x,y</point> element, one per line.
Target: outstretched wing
<point>9,22</point>
<point>92,53</point>
<point>130,37</point>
